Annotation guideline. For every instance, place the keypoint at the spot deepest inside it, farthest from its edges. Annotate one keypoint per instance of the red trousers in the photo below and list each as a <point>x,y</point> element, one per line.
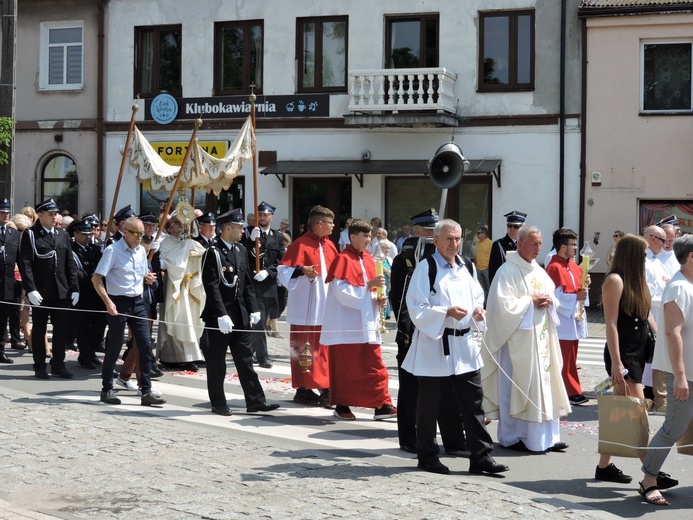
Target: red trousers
<point>571,380</point>
<point>317,374</point>
<point>358,376</point>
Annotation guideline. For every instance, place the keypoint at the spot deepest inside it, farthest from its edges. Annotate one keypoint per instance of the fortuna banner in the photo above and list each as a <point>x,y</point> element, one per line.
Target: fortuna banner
<point>201,171</point>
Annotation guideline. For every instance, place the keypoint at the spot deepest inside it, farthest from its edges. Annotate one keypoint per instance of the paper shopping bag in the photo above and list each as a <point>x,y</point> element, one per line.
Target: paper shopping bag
<point>685,444</point>
<point>623,426</point>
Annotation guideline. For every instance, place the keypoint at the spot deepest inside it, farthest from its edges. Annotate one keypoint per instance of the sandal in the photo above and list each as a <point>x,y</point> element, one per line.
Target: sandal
<point>657,501</point>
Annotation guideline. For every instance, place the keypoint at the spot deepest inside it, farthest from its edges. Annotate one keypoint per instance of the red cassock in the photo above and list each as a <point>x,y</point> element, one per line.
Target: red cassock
<point>560,271</point>
<point>305,250</point>
<point>358,376</point>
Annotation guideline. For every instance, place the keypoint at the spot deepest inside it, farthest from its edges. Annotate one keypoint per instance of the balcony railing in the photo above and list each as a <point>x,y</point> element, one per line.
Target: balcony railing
<point>394,90</point>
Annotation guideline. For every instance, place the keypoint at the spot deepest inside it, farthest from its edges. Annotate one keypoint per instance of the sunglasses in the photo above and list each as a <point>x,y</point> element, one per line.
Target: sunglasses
<point>136,234</point>
<point>515,226</point>
<point>663,240</point>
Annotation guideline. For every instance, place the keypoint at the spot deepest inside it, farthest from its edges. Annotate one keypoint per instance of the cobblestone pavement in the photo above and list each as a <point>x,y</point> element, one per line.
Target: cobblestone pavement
<point>80,459</point>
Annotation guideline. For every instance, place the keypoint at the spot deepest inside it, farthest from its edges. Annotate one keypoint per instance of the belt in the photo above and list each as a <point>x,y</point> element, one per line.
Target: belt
<point>451,332</point>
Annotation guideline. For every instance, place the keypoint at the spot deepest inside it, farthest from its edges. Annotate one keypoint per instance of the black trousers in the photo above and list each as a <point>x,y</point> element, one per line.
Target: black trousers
<point>133,311</point>
<point>449,417</point>
<point>470,395</point>
<point>214,345</point>
<point>259,337</point>
<point>59,317</point>
<point>5,311</point>
<point>90,328</point>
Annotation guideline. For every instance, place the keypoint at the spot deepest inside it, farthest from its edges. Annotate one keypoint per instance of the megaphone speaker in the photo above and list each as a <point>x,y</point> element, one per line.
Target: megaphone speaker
<point>447,166</point>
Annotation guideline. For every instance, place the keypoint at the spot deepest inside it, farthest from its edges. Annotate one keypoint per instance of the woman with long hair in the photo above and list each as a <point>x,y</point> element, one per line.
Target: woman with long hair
<point>626,302</point>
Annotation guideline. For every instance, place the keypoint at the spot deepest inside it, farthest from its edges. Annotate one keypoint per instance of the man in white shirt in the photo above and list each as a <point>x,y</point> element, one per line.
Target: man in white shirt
<point>381,240</point>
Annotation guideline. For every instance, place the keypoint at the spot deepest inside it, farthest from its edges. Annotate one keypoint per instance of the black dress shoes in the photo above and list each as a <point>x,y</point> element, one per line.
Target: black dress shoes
<point>155,372</point>
<point>408,448</point>
<point>19,345</point>
<point>87,364</point>
<point>226,411</point>
<point>96,361</point>
<point>41,373</point>
<point>518,446</point>
<point>487,466</point>
<point>559,446</point>
<point>262,407</point>
<point>5,359</point>
<point>433,466</point>
<point>62,372</point>
<point>192,367</point>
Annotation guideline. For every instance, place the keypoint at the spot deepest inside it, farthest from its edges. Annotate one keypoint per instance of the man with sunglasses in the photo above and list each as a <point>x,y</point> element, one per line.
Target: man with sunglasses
<point>500,247</point>
<point>656,277</point>
<point>124,266</point>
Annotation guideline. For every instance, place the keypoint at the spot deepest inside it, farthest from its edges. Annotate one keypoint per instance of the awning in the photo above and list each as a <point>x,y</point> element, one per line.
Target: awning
<point>360,168</point>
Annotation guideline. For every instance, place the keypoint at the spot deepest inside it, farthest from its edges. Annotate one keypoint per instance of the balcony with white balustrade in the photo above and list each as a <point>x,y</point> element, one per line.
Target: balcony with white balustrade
<point>401,97</point>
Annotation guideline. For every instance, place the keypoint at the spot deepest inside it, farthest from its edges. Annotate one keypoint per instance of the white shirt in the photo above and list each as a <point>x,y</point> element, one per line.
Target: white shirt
<point>123,268</point>
<point>453,286</point>
<point>668,259</point>
<point>680,291</point>
<point>656,278</point>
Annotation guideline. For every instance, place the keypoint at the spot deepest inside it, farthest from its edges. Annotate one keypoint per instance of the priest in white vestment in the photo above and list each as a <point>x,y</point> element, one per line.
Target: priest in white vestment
<point>521,377</point>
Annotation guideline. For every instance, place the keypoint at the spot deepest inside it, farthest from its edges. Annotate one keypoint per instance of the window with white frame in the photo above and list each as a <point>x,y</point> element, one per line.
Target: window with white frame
<point>666,77</point>
<point>62,56</point>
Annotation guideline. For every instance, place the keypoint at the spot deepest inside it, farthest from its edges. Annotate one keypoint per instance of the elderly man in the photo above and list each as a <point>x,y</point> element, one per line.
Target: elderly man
<point>124,267</point>
<point>443,299</point>
<point>383,241</point>
<point>657,277</point>
<point>49,275</point>
<point>528,396</point>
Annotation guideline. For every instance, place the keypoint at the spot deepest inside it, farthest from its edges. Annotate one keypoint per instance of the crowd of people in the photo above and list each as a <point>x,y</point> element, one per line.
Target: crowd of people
<point>495,337</point>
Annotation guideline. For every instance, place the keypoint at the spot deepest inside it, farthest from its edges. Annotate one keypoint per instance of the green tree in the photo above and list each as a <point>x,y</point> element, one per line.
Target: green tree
<point>5,137</point>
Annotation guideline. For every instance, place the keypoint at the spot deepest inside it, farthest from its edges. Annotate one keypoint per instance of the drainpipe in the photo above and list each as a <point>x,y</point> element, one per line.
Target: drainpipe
<point>583,132</point>
<point>100,137</point>
<point>561,122</point>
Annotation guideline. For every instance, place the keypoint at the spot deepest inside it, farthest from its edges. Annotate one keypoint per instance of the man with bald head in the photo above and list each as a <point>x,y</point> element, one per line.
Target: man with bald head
<point>528,395</point>
<point>666,255</point>
<point>656,277</point>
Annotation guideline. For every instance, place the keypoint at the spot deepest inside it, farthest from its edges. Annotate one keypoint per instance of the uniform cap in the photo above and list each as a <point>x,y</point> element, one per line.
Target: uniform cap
<point>515,217</point>
<point>5,205</point>
<point>234,216</point>
<point>82,226</point>
<point>47,205</point>
<point>207,218</point>
<point>149,218</point>
<point>671,219</point>
<point>426,219</point>
<point>124,213</point>
<point>263,207</point>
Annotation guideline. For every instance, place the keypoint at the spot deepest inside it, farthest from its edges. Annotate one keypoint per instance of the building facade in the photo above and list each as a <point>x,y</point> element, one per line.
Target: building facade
<point>638,110</point>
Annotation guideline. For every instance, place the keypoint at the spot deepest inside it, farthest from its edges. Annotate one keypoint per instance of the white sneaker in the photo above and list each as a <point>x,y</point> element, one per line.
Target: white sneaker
<point>128,385</point>
<point>155,392</point>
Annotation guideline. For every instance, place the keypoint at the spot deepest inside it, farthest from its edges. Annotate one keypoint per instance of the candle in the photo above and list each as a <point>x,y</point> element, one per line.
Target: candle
<point>379,272</point>
<point>585,268</point>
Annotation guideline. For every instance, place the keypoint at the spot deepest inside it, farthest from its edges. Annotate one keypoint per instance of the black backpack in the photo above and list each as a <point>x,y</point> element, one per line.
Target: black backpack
<point>433,269</point>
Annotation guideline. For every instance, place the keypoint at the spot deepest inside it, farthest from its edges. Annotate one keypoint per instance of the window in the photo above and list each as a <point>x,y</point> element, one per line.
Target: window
<point>666,77</point>
<point>59,181</point>
<point>506,50</point>
<point>61,52</point>
<point>237,57</point>
<point>412,42</point>
<point>322,54</point>
<point>157,60</point>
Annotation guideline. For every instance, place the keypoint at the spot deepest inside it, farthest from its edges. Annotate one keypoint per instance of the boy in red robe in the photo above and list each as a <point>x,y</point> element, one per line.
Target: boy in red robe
<point>351,325</point>
<point>302,271</point>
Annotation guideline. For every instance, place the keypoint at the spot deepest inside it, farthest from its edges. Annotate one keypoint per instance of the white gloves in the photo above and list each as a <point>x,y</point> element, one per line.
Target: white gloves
<point>254,318</point>
<point>162,263</point>
<point>35,297</point>
<point>255,233</point>
<point>155,245</point>
<point>225,324</point>
<point>259,277</point>
<point>75,298</point>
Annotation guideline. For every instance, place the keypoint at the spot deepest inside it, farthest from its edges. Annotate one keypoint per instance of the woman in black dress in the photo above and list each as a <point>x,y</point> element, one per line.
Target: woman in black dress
<point>626,302</point>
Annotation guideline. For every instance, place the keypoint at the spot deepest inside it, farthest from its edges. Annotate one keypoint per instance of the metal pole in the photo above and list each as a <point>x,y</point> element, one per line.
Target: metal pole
<point>253,97</point>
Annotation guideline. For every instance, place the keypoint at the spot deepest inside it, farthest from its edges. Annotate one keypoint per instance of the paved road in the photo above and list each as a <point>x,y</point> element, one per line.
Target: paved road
<point>64,454</point>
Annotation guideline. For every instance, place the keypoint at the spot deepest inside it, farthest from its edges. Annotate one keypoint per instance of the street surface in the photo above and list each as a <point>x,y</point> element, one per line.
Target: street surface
<point>66,455</point>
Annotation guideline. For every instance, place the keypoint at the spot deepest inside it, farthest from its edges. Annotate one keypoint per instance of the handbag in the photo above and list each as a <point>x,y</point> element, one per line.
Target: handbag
<point>624,428</point>
<point>650,343</point>
<point>685,444</point>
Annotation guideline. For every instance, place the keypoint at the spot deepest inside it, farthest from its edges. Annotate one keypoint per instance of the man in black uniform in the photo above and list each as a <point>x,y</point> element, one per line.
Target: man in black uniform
<point>90,325</point>
<point>49,275</point>
<point>514,221</point>
<point>9,250</point>
<point>414,250</point>
<point>229,312</point>
<point>265,279</point>
<point>207,224</point>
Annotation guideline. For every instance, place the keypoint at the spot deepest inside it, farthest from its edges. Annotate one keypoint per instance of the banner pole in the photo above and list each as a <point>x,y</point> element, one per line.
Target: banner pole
<point>169,203</point>
<point>135,108</point>
<point>253,97</point>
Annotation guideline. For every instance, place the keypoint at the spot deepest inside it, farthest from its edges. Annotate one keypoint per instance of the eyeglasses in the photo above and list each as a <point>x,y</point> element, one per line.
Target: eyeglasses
<point>515,226</point>
<point>663,240</point>
<point>136,234</point>
<point>616,236</point>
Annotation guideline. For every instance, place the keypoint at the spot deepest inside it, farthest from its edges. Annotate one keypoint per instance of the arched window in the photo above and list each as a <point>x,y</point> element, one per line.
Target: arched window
<point>59,182</point>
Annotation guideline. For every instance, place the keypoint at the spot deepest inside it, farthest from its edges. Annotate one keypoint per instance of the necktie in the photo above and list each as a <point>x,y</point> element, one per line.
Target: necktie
<point>2,232</point>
